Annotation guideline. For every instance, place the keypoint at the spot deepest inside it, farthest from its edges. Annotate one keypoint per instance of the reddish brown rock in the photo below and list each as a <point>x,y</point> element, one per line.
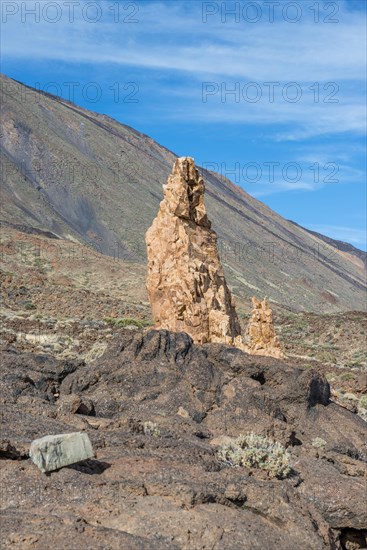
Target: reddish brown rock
<point>185,281</point>
<point>260,335</point>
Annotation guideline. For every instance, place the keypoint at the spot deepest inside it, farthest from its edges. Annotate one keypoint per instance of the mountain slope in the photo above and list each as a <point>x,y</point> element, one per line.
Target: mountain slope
<point>87,178</point>
<point>339,245</point>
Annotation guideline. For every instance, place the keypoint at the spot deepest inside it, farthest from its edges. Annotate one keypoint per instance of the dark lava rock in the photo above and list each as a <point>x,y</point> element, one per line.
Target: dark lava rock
<point>156,407</point>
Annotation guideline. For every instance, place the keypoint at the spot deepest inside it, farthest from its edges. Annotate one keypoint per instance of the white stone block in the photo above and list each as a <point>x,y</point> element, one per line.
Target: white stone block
<point>56,451</point>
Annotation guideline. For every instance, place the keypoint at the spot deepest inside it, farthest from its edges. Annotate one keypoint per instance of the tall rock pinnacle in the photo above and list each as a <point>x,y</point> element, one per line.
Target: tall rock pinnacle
<point>185,280</point>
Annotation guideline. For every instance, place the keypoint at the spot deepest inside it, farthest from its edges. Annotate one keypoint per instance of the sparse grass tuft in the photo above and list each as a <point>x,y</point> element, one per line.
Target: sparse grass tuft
<point>151,428</point>
<point>127,321</point>
<point>318,442</point>
<point>327,357</point>
<point>256,451</point>
<point>347,376</point>
<point>95,352</point>
<point>40,263</point>
<point>362,406</point>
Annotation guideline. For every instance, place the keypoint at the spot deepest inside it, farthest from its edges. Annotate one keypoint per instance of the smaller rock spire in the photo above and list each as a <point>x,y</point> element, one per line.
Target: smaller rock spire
<point>260,335</point>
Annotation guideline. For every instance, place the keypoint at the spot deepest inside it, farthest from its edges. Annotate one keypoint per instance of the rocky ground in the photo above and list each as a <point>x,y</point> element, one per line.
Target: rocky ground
<point>157,409</point>
<point>78,354</point>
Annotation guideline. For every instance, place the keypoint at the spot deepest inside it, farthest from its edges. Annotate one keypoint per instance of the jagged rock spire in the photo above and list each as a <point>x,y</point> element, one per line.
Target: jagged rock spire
<point>185,280</point>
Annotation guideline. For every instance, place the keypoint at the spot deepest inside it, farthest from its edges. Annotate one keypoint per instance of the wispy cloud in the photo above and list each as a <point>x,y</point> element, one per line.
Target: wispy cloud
<point>304,52</point>
<point>230,53</point>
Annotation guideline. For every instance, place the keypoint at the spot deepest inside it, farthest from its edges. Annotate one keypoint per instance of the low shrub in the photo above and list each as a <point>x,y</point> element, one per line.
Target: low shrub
<point>256,451</point>
<point>151,428</point>
<point>318,442</point>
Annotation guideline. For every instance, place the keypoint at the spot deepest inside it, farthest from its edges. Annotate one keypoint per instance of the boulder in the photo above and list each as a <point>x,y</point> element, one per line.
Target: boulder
<point>53,452</point>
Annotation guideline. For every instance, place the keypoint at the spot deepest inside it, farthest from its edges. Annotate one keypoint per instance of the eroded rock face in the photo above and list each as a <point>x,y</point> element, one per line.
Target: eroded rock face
<point>260,335</point>
<point>185,281</point>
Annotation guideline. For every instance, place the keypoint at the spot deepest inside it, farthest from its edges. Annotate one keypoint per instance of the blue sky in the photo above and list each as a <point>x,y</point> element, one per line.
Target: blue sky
<point>271,94</point>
